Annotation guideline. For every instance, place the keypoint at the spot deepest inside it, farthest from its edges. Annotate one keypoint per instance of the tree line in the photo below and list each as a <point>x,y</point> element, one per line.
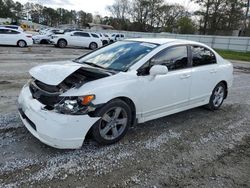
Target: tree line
<point>213,16</point>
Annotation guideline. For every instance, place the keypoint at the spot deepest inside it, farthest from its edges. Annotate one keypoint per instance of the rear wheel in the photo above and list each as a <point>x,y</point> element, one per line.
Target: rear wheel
<point>93,46</point>
<point>115,119</point>
<point>62,43</point>
<point>21,43</point>
<point>217,97</point>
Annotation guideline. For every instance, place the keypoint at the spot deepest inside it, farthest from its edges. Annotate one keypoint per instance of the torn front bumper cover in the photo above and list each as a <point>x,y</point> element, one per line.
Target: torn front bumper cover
<point>54,129</point>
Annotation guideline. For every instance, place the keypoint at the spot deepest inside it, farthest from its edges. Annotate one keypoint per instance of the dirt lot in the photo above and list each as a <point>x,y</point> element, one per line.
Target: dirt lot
<point>195,148</point>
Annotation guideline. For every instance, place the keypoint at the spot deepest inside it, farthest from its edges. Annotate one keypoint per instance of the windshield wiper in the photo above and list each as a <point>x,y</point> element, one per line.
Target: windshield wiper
<point>98,66</point>
<point>94,65</point>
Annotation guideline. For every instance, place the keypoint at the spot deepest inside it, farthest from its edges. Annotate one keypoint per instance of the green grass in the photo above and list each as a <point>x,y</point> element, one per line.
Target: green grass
<point>227,54</point>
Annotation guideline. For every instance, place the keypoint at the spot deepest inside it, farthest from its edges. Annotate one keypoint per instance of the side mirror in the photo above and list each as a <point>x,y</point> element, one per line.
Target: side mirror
<point>158,70</point>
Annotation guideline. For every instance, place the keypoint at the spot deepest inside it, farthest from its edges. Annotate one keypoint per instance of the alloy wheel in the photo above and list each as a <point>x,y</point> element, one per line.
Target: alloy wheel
<point>113,123</point>
<point>218,96</point>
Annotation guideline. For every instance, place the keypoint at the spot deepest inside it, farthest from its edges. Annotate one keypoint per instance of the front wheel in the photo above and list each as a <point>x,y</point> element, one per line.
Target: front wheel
<point>62,43</point>
<point>114,123</point>
<point>217,97</point>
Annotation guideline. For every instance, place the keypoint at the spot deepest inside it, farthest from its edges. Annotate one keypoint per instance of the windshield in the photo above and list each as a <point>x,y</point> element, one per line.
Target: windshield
<point>118,56</point>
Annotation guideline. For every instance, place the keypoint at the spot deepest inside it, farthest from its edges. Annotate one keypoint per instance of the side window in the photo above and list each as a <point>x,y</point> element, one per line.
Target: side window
<point>77,34</point>
<point>8,31</point>
<point>13,32</point>
<point>94,35</point>
<point>174,58</point>
<point>202,56</point>
<point>122,36</point>
<point>85,34</point>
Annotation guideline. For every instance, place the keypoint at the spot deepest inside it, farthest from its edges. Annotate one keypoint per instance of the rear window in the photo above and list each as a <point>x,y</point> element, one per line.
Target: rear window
<point>94,35</point>
<point>202,56</point>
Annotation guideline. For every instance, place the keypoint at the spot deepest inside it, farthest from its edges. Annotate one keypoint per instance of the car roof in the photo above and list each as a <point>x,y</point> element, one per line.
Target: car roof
<point>161,41</point>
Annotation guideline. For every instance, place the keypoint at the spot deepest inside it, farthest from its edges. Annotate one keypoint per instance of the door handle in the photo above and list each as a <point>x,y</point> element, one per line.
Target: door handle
<point>213,71</point>
<point>185,76</point>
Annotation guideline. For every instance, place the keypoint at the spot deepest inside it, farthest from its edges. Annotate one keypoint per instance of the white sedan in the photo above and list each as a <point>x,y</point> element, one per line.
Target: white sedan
<point>77,38</point>
<point>15,38</point>
<point>106,91</point>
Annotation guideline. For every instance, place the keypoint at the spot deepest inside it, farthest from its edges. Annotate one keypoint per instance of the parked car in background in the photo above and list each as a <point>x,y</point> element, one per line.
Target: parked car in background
<point>46,36</point>
<point>105,38</point>
<point>109,89</point>
<point>77,38</point>
<point>14,37</point>
<point>116,37</point>
<point>41,39</point>
<point>16,27</point>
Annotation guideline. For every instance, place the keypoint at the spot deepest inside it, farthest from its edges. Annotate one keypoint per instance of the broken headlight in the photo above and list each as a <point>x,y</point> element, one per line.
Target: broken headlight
<point>75,105</point>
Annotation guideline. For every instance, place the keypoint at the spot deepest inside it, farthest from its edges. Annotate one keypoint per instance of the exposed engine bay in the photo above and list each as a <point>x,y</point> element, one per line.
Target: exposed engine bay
<point>49,95</point>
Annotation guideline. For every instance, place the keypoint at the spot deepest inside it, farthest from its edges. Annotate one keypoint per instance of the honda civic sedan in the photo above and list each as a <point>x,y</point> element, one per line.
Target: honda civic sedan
<point>133,81</point>
<point>14,37</point>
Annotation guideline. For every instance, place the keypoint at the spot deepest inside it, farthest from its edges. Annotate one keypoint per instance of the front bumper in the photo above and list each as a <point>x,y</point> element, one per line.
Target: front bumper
<point>54,129</point>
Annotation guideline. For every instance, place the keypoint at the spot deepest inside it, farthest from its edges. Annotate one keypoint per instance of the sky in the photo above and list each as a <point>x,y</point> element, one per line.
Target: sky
<point>94,6</point>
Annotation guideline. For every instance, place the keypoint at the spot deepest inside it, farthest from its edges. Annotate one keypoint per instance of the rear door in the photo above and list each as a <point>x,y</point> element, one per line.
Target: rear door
<point>85,39</point>
<point>204,74</point>
<point>9,37</point>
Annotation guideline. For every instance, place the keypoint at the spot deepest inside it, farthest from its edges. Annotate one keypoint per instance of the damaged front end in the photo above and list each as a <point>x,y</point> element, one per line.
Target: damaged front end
<point>51,95</point>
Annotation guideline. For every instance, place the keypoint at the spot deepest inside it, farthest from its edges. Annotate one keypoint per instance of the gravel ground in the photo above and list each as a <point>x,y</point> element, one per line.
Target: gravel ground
<point>195,148</point>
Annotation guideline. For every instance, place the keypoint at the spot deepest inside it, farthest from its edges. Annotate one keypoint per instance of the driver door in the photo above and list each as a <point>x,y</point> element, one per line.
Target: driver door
<point>165,94</point>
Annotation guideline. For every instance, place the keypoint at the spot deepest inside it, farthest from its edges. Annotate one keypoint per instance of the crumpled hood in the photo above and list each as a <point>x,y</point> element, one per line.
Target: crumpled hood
<point>54,74</point>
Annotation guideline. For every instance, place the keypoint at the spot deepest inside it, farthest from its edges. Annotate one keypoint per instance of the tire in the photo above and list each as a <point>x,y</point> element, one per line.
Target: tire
<point>21,43</point>
<point>111,41</point>
<point>62,43</point>
<point>93,46</point>
<point>217,97</point>
<point>116,117</point>
<point>105,42</point>
<point>43,41</point>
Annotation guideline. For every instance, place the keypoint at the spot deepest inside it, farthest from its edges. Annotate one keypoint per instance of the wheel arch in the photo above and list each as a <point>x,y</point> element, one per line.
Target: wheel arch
<point>94,43</point>
<point>21,40</point>
<point>128,101</point>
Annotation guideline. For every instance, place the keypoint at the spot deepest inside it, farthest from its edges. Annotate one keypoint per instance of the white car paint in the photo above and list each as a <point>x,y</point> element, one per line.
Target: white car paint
<point>74,39</point>
<point>116,37</point>
<point>12,36</point>
<point>153,95</point>
<point>38,38</point>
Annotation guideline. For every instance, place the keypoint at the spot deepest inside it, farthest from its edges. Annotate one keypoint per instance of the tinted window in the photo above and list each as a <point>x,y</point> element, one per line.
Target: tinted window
<point>11,27</point>
<point>94,35</point>
<point>122,35</point>
<point>81,34</point>
<point>174,58</point>
<point>202,56</point>
<point>8,31</point>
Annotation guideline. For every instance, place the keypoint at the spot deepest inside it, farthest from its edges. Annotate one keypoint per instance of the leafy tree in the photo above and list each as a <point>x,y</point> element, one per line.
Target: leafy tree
<point>186,26</point>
